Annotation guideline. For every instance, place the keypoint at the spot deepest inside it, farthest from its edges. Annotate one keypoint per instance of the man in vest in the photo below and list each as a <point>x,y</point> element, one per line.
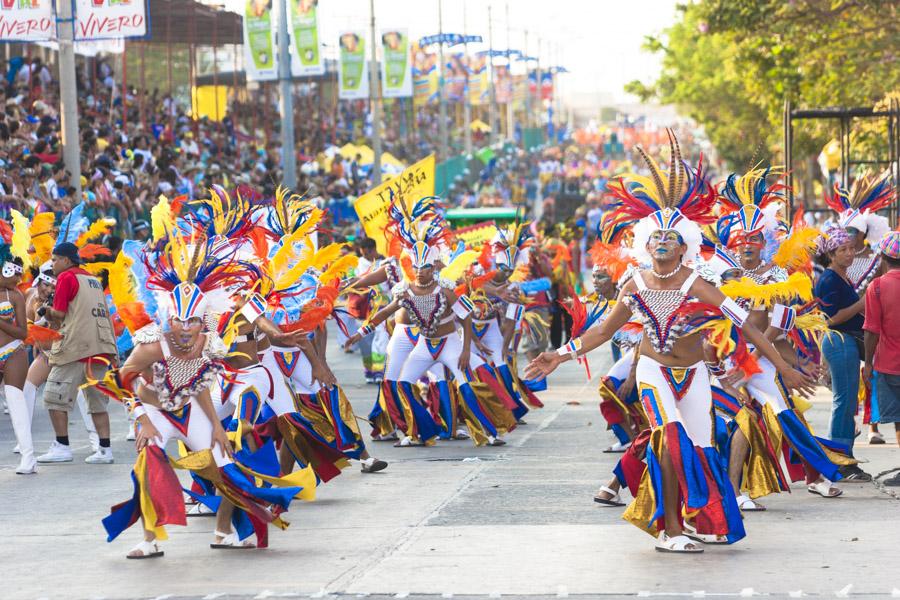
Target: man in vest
<point>81,315</point>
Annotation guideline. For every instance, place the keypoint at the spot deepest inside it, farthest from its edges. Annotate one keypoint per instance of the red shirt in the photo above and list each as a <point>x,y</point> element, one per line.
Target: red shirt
<point>883,292</point>
<point>66,289</point>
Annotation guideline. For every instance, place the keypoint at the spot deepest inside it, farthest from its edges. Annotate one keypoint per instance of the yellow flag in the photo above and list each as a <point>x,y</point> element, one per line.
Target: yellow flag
<point>414,183</point>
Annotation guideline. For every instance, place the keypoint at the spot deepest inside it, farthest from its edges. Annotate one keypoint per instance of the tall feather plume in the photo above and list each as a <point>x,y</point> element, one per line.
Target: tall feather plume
<point>98,228</point>
<point>42,236</point>
<point>162,219</point>
<point>284,254</point>
<point>674,166</point>
<point>339,268</point>
<point>872,193</point>
<point>73,225</point>
<point>21,238</point>
<point>656,175</point>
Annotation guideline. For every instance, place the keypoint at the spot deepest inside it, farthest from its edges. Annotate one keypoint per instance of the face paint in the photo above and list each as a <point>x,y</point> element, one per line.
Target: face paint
<point>10,269</point>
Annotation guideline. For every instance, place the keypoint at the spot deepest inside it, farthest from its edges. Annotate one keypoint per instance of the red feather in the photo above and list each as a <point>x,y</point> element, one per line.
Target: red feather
<point>38,335</point>
<point>92,251</point>
<point>612,258</point>
<point>6,232</point>
<point>578,313</point>
<point>134,315</point>
<point>484,259</point>
<point>257,237</point>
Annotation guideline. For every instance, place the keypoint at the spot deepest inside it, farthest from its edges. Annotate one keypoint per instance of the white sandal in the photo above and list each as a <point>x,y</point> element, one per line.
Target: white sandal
<point>147,550</point>
<point>200,510</point>
<point>230,541</point>
<point>747,504</point>
<point>707,538</point>
<point>617,448</point>
<point>825,489</point>
<point>613,500</point>
<point>678,544</point>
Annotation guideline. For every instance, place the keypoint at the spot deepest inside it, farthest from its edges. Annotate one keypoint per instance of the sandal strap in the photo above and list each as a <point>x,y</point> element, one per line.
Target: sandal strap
<point>609,491</point>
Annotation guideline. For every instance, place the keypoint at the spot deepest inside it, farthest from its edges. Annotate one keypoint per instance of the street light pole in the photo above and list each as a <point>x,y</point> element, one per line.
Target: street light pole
<point>68,102</point>
<point>467,107</point>
<point>442,115</point>
<point>286,99</point>
<point>492,106</point>
<point>510,125</point>
<point>375,99</point>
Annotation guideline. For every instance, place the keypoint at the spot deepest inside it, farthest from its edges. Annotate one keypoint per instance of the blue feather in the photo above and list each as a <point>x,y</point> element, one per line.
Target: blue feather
<point>73,225</point>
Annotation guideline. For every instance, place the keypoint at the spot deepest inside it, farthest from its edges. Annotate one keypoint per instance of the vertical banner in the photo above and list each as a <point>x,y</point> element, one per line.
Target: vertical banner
<point>105,19</point>
<point>479,86</point>
<point>502,84</point>
<point>396,64</point>
<point>546,86</point>
<point>259,41</point>
<point>425,76</point>
<point>414,183</point>
<point>27,21</point>
<point>306,58</point>
<point>457,76</point>
<point>354,74</point>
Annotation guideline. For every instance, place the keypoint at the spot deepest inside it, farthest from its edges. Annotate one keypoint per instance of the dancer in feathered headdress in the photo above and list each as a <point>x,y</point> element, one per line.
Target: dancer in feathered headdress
<point>14,258</point>
<point>857,210</point>
<point>751,229</point>
<point>425,335</point>
<point>176,366</point>
<point>672,380</point>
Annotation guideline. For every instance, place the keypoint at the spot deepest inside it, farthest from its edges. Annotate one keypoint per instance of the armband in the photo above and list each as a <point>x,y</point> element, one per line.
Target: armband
<point>716,369</point>
<point>254,308</point>
<point>570,349</point>
<point>733,311</point>
<point>783,317</point>
<point>463,307</point>
<point>365,330</point>
<point>515,312</point>
<point>135,408</point>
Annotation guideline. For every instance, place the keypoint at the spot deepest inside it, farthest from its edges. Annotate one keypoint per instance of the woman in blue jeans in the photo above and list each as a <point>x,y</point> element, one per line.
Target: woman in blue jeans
<point>841,345</point>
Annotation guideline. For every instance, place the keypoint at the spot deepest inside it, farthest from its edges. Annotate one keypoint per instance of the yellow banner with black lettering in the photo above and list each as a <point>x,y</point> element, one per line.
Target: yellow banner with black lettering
<point>414,183</point>
<point>475,235</point>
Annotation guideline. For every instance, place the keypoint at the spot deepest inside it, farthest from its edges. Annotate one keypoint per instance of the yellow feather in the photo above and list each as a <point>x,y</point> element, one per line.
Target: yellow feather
<point>96,268</point>
<point>521,273</point>
<point>161,218</point>
<point>458,266</point>
<point>97,228</point>
<point>339,268</point>
<point>21,238</point>
<point>42,236</point>
<point>797,249</point>
<point>283,255</point>
<point>122,286</point>
<point>797,286</point>
<point>308,259</point>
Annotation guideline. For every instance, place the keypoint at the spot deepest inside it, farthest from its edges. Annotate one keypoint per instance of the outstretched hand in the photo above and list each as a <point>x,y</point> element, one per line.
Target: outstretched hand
<point>799,382</point>
<point>543,365</point>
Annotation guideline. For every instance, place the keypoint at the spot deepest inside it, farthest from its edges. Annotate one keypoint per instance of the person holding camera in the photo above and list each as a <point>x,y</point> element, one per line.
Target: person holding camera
<point>80,313</point>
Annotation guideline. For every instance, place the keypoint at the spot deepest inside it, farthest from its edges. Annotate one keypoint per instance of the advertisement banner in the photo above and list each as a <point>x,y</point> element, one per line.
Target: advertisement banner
<point>479,86</point>
<point>396,64</point>
<point>259,41</point>
<point>26,21</point>
<point>457,77</point>
<point>306,57</point>
<point>354,74</point>
<point>502,84</point>
<point>546,86</point>
<point>414,183</point>
<point>425,76</point>
<point>476,235</point>
<point>107,19</point>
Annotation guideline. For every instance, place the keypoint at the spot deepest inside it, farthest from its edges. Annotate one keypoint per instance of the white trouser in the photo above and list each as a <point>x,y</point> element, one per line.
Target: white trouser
<point>398,350</point>
<point>284,385</point>
<point>198,436</point>
<point>764,388</point>
<point>493,340</point>
<point>690,405</point>
<point>254,379</point>
<point>421,359</point>
<point>622,367</point>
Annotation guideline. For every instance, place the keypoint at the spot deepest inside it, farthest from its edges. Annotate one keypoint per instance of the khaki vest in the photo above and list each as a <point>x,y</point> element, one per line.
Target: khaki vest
<point>87,329</point>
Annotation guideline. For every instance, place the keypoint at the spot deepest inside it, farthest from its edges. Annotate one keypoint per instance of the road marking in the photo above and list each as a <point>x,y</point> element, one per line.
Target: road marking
<point>562,591</point>
<point>845,592</point>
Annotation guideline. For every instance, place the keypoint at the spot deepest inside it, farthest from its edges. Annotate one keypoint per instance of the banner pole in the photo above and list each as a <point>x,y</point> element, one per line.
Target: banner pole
<point>68,102</point>
<point>467,107</point>
<point>286,100</point>
<point>375,97</point>
<point>492,106</point>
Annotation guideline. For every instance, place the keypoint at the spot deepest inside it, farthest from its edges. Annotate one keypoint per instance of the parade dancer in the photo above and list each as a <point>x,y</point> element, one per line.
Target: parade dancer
<point>766,291</point>
<point>684,475</point>
<point>165,383</point>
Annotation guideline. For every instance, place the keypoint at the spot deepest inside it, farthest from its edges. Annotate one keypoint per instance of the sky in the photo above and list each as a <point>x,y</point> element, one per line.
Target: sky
<point>599,41</point>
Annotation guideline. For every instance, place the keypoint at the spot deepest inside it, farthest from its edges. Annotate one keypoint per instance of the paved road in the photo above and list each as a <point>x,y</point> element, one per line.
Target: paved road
<point>449,520</point>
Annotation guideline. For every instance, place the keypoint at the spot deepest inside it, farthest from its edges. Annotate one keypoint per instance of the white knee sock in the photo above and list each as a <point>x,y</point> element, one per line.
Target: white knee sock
<point>21,419</point>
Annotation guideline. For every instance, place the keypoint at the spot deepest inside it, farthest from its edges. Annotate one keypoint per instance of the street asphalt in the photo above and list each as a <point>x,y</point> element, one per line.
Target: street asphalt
<point>448,521</point>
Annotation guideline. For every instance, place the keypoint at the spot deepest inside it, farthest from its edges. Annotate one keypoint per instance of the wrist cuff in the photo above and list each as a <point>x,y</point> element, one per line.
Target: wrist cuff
<point>783,317</point>
<point>733,311</point>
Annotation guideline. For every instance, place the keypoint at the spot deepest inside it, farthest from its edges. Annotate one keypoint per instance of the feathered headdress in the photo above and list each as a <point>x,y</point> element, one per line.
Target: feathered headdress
<point>752,203</point>
<point>420,232</point>
<point>223,214</point>
<point>289,211</point>
<point>609,252</point>
<point>857,206</point>
<point>195,276</point>
<point>14,243</point>
<point>77,229</point>
<point>510,246</point>
<point>678,199</point>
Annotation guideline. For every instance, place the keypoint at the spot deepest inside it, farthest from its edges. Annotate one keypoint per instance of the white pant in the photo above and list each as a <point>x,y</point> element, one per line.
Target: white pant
<point>690,405</point>
<point>299,380</point>
<point>493,339</point>
<point>421,359</point>
<point>198,434</point>
<point>622,367</point>
<point>398,349</point>
<point>764,388</point>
